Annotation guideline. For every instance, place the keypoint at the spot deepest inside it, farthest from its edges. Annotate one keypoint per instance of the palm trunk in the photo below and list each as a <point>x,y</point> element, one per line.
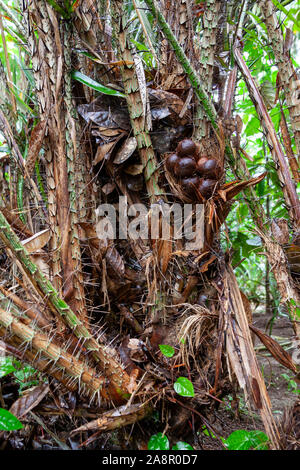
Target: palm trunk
<point>288,76</point>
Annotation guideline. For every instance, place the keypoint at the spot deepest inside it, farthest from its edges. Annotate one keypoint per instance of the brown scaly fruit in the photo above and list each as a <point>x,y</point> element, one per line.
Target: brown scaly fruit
<point>186,147</point>
<point>209,168</point>
<point>171,162</point>
<point>190,184</point>
<point>186,166</point>
<point>207,187</point>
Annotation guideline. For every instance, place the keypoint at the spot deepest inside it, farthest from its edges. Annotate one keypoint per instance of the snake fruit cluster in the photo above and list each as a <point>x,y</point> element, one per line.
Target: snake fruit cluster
<point>195,173</point>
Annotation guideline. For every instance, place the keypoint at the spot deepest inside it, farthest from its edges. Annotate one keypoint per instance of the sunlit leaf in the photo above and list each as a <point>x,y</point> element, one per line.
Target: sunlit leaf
<point>167,350</point>
<point>245,440</point>
<point>8,422</point>
<point>182,446</point>
<point>184,387</point>
<point>158,442</point>
<point>85,80</point>
<point>6,366</point>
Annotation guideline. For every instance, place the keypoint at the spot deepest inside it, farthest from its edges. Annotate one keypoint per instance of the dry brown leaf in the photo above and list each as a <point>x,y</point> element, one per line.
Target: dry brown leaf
<point>107,132</point>
<point>92,238</point>
<point>35,243</point>
<point>172,101</point>
<point>108,188</point>
<point>140,74</point>
<point>135,169</point>
<point>115,261</point>
<point>16,222</point>
<point>275,349</point>
<point>205,265</point>
<point>241,354</point>
<point>125,151</point>
<point>132,382</point>
<point>103,152</point>
<point>40,260</point>
<point>227,193</point>
<point>239,123</point>
<point>256,393</point>
<point>164,253</point>
<point>29,400</point>
<point>116,418</point>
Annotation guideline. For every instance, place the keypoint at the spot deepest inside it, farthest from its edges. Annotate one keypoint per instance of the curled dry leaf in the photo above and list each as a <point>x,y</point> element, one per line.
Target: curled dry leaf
<point>227,192</point>
<point>116,418</point>
<point>103,152</point>
<point>37,241</point>
<point>133,378</point>
<point>16,222</point>
<point>108,188</point>
<point>34,246</point>
<point>107,132</point>
<point>115,261</point>
<point>29,400</point>
<point>125,151</point>
<point>40,260</point>
<point>162,98</point>
<point>124,352</point>
<point>106,112</point>
<point>275,349</point>
<point>90,234</point>
<point>136,351</point>
<point>204,267</point>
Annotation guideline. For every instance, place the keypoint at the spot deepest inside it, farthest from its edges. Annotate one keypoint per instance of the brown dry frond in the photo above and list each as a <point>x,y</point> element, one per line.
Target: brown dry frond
<point>194,331</point>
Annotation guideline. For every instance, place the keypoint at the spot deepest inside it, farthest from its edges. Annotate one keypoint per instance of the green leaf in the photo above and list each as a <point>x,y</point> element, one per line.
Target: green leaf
<point>158,442</point>
<point>182,446</point>
<point>207,432</point>
<point>64,13</point>
<point>9,422</point>
<point>252,127</point>
<point>243,211</point>
<point>6,366</point>
<point>257,19</point>
<point>80,77</point>
<point>6,369</point>
<point>167,350</point>
<point>245,440</point>
<point>287,13</point>
<point>26,377</point>
<point>184,387</point>
<point>260,187</point>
